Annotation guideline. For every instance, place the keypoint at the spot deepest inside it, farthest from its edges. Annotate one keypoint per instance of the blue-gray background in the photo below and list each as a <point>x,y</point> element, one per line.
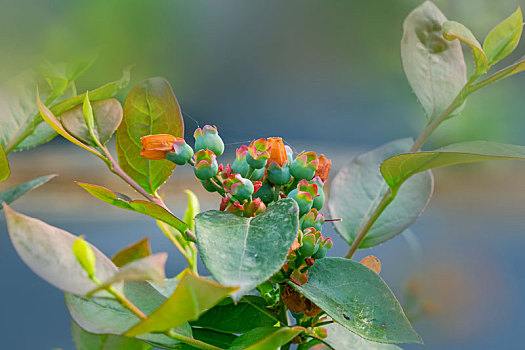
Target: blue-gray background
<point>325,75</point>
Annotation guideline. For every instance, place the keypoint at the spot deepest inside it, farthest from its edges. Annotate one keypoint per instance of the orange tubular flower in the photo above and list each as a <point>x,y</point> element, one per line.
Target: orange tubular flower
<point>277,151</point>
<point>323,169</point>
<point>156,146</point>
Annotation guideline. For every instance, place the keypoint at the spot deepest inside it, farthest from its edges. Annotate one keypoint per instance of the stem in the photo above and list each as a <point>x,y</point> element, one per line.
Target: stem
<point>117,170</point>
<point>388,197</point>
<point>276,193</point>
<point>122,300</point>
<point>191,341</point>
<point>171,333</point>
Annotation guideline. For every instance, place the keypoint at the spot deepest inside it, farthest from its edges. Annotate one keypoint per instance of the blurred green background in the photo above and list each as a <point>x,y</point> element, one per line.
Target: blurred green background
<point>325,75</point>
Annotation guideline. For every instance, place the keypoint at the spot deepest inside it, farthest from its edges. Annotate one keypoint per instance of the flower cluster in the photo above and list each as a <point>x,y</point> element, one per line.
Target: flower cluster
<point>262,172</point>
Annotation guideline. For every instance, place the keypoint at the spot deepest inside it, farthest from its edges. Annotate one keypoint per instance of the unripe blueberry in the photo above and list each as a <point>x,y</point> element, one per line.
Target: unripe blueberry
<point>265,193</point>
<point>320,199</point>
<point>309,245</point>
<point>240,165</point>
<point>304,166</point>
<point>312,219</point>
<point>181,153</point>
<point>206,165</point>
<point>278,175</point>
<point>304,195</point>
<point>239,187</point>
<point>208,138</point>
<point>258,153</point>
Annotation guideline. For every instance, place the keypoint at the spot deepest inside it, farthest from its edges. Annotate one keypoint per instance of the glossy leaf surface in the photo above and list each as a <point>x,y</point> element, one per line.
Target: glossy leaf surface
<point>397,169</point>
<point>504,37</point>
<point>245,252</point>
<point>151,268</point>
<point>48,252</point>
<point>341,338</point>
<point>144,207</point>
<point>4,166</point>
<point>435,67</point>
<point>227,317</point>
<point>18,191</point>
<point>192,297</point>
<point>358,299</point>
<point>107,115</point>
<point>104,316</point>
<point>266,338</point>
<point>150,108</point>
<point>358,187</point>
<point>136,251</point>
<point>453,30</point>
<point>88,341</point>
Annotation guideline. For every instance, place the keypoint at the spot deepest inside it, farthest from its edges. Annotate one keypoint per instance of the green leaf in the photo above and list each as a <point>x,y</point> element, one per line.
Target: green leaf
<point>245,252</point>
<point>18,191</point>
<point>193,296</point>
<point>134,252</point>
<point>150,108</point>
<point>107,316</point>
<point>397,169</point>
<point>147,208</point>
<point>50,118</point>
<point>186,247</point>
<point>358,299</point>
<point>89,341</point>
<point>47,250</point>
<point>453,30</point>
<point>27,129</point>
<point>4,166</point>
<point>342,339</point>
<point>85,256</point>
<point>106,114</point>
<point>150,268</point>
<point>358,187</point>
<point>434,67</point>
<point>266,338</point>
<point>192,209</point>
<point>504,37</point>
<point>249,313</point>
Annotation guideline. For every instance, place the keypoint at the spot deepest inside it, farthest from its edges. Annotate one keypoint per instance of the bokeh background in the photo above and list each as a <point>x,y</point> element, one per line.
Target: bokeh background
<point>325,75</point>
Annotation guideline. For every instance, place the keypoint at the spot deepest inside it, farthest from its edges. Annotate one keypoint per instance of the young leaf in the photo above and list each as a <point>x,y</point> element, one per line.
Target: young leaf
<point>245,252</point>
<point>434,67</point>
<point>266,338</point>
<point>134,252</point>
<point>4,166</point>
<point>358,299</point>
<point>151,268</point>
<point>504,37</point>
<point>453,30</point>
<point>50,118</point>
<point>358,187</point>
<point>397,169</point>
<point>87,113</point>
<point>107,115</point>
<point>341,338</point>
<point>147,208</point>
<point>227,317</point>
<point>150,108</point>
<point>89,341</point>
<point>47,251</point>
<point>15,192</point>
<point>191,298</point>
<point>107,316</point>
<point>192,209</point>
<point>35,132</point>
<point>85,256</point>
